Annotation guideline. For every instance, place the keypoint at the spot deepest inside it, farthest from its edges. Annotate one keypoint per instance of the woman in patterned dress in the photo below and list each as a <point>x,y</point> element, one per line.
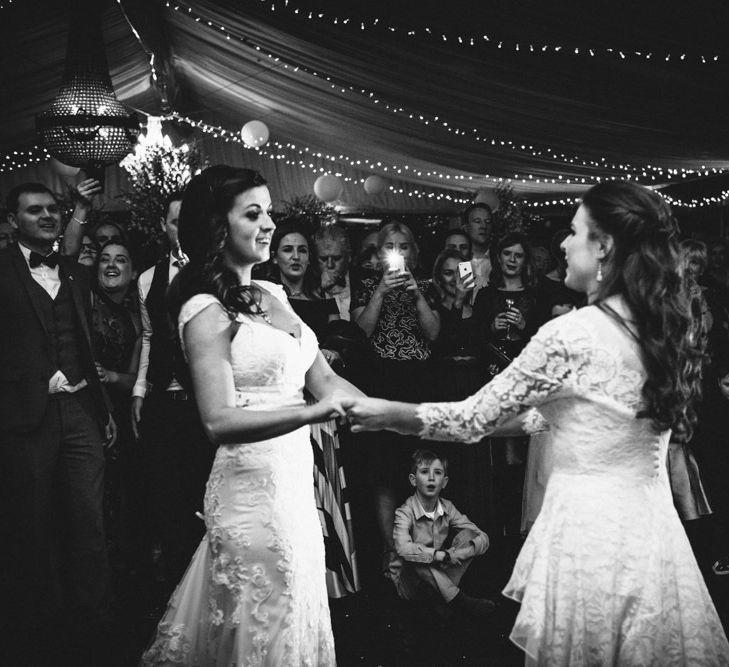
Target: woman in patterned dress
<point>399,315</point>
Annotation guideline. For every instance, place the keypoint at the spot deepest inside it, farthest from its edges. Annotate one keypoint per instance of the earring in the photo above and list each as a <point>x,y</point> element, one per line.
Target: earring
<point>599,270</point>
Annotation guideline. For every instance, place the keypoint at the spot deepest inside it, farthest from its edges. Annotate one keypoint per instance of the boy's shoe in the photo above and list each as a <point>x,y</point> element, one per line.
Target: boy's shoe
<point>474,607</point>
<point>721,567</point>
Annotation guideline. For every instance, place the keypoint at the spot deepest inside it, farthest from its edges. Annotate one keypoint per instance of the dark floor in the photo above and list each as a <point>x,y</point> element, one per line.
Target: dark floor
<point>374,627</point>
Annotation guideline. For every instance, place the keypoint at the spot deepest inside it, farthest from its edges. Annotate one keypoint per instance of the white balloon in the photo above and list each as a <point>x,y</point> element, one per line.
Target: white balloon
<point>375,185</point>
<point>328,187</point>
<point>63,170</point>
<point>254,133</point>
<point>487,196</point>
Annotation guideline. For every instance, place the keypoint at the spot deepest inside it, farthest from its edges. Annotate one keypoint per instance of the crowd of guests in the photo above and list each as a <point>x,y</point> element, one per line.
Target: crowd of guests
<point>395,328</point>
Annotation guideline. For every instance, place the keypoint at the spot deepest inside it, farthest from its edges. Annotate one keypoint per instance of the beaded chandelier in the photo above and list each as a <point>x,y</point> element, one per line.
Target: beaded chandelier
<point>86,126</point>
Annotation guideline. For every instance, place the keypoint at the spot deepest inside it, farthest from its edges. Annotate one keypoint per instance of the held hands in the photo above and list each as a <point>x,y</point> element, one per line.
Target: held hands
<point>368,414</point>
<point>330,407</point>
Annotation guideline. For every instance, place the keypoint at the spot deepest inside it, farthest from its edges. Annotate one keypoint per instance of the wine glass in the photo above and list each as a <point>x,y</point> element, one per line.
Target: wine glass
<point>510,303</point>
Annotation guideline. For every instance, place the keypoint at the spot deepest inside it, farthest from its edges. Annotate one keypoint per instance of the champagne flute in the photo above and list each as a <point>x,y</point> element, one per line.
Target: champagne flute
<point>510,303</point>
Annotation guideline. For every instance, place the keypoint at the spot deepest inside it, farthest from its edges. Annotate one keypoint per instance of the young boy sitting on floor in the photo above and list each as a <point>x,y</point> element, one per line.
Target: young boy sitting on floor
<point>424,525</point>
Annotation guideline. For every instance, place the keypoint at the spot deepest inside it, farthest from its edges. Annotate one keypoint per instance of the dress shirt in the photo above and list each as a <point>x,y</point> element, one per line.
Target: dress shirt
<point>143,285</point>
<point>343,297</point>
<point>50,280</point>
<point>481,272</point>
<point>417,537</point>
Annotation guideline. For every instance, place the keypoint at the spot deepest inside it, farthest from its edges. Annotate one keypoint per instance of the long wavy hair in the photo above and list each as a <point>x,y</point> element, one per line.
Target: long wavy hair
<point>643,268</point>
<point>203,234</point>
<point>528,273</point>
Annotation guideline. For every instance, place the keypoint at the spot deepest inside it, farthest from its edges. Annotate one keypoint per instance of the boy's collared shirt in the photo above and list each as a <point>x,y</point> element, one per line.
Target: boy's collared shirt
<point>417,537</point>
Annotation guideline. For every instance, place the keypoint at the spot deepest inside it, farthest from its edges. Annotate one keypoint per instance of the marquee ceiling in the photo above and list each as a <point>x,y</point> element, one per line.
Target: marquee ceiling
<point>339,95</point>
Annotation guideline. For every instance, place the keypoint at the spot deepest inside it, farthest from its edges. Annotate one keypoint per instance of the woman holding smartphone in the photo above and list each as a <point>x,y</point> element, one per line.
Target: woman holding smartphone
<point>401,321</point>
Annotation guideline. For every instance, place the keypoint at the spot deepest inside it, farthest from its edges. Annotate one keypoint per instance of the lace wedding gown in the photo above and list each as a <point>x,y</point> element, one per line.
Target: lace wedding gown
<point>606,575</point>
<point>255,591</point>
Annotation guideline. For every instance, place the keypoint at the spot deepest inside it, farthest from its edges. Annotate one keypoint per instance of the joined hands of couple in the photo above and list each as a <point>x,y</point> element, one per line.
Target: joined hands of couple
<point>364,413</point>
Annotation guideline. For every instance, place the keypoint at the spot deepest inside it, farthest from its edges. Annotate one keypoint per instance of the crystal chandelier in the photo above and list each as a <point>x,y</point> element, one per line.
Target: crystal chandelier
<point>86,126</point>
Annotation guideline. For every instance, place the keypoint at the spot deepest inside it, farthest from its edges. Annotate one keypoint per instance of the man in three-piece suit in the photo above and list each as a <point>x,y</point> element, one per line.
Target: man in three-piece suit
<point>54,421</point>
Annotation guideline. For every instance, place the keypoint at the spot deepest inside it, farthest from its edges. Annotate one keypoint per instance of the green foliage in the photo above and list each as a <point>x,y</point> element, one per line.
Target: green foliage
<point>308,211</point>
<point>512,215</point>
<point>156,171</point>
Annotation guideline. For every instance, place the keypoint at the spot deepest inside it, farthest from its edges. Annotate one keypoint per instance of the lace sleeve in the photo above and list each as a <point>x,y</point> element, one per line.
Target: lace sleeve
<point>192,307</point>
<point>543,369</point>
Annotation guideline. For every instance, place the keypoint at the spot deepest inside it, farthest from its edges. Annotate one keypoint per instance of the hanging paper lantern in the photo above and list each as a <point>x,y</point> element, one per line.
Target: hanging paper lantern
<point>328,187</point>
<point>254,134</point>
<point>375,185</point>
<point>487,196</point>
<point>63,170</point>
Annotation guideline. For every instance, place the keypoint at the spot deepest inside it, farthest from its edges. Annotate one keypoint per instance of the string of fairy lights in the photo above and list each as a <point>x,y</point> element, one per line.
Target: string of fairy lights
<point>23,158</point>
<point>280,151</point>
<point>483,39</point>
<point>301,157</point>
<point>651,173</point>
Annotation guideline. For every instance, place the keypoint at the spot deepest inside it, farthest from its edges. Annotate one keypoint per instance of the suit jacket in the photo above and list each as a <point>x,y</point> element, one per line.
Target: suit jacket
<point>24,348</point>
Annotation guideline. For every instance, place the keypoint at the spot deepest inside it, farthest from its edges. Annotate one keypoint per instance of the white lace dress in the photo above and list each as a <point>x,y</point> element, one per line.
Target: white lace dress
<point>606,575</point>
<point>255,590</point>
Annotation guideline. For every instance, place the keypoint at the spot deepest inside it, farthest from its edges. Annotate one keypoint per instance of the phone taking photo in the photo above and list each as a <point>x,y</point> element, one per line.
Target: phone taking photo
<point>396,262</point>
<point>465,269</point>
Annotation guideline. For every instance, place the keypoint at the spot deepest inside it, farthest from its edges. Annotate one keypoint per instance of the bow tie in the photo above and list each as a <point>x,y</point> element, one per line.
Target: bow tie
<point>50,260</point>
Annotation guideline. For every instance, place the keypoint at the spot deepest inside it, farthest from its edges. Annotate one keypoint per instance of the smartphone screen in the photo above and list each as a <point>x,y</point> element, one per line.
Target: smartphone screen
<point>396,262</point>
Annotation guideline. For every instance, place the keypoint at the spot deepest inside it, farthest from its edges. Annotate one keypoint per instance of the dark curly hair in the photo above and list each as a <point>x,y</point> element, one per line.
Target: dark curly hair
<point>528,273</point>
<point>643,268</point>
<point>203,231</point>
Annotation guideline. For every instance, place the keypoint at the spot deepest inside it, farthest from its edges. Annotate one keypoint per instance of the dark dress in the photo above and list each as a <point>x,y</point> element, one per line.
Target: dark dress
<point>551,293</point>
<point>114,332</point>
<point>459,370</point>
<point>507,456</point>
<point>315,313</point>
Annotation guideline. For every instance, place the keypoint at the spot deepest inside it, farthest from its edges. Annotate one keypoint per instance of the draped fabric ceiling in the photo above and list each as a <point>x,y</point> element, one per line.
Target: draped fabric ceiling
<point>224,62</point>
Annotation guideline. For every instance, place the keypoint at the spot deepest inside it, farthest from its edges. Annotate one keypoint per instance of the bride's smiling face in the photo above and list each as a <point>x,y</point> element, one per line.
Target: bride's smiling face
<point>250,227</point>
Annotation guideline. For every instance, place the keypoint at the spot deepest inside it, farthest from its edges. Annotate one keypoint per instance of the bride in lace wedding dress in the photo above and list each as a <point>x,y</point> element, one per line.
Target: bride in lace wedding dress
<point>606,575</point>
<point>255,591</point>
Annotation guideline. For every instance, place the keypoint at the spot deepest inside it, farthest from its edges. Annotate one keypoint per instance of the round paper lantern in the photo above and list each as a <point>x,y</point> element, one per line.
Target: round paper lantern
<point>327,187</point>
<point>375,185</point>
<point>63,170</point>
<point>254,133</point>
<point>487,196</point>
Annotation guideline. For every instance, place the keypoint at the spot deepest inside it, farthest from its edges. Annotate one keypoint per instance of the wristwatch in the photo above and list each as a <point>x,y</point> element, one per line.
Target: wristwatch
<point>446,556</point>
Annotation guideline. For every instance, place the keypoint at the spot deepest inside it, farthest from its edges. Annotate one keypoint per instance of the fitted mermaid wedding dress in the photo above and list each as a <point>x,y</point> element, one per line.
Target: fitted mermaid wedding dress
<point>255,590</point>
